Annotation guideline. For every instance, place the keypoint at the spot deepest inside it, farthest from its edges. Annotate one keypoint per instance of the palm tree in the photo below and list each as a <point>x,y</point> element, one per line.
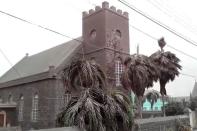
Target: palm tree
<point>139,74</point>
<point>82,74</point>
<point>152,97</point>
<point>168,65</point>
<point>94,110</point>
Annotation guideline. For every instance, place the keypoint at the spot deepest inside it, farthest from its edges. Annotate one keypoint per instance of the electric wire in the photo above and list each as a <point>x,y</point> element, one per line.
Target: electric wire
<point>177,19</point>
<point>48,29</point>
<point>139,30</point>
<point>159,23</point>
<point>10,63</point>
<point>150,36</point>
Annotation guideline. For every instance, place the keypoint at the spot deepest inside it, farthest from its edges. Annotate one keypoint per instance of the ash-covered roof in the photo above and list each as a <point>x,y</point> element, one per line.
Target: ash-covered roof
<point>39,63</point>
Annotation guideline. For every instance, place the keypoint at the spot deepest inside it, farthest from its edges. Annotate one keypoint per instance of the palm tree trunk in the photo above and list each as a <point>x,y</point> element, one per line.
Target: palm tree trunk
<point>163,92</point>
<point>164,109</point>
<point>139,106</point>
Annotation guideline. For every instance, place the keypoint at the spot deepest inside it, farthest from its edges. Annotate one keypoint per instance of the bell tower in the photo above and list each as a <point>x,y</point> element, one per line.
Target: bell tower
<point>105,35</point>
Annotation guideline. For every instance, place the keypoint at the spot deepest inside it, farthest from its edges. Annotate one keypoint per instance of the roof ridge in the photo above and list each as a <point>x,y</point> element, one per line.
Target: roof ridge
<point>40,62</point>
<point>54,47</point>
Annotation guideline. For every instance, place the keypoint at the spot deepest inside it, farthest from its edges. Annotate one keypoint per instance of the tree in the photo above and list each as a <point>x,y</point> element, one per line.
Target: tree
<point>82,74</point>
<point>94,110</point>
<point>152,97</point>
<point>140,73</point>
<point>168,65</point>
<point>174,108</point>
<point>193,103</point>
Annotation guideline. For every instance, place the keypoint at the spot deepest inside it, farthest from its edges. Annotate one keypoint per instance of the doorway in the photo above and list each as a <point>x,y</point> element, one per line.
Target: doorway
<point>2,119</point>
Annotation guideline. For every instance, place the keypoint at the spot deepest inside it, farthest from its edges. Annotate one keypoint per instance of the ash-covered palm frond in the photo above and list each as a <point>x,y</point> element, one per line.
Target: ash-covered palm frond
<point>83,73</point>
<point>93,110</point>
<point>168,65</point>
<point>152,97</point>
<point>139,74</point>
<point>126,105</point>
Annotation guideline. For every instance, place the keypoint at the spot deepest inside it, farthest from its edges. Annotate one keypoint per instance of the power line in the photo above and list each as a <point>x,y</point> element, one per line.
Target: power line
<point>6,58</point>
<point>139,30</point>
<point>155,38</point>
<point>45,28</point>
<point>170,14</point>
<point>37,25</point>
<point>159,23</point>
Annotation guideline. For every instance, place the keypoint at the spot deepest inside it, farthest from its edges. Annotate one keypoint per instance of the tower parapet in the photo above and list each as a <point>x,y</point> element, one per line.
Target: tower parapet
<point>105,6</point>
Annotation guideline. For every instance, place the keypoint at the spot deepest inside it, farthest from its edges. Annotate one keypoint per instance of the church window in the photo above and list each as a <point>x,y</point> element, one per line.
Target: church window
<point>20,108</point>
<point>34,114</point>
<point>118,34</point>
<point>67,97</point>
<point>118,71</point>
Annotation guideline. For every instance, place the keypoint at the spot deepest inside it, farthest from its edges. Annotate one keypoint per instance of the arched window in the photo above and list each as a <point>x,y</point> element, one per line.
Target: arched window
<point>118,71</point>
<point>93,34</point>
<point>20,108</point>
<point>34,114</point>
<point>67,97</point>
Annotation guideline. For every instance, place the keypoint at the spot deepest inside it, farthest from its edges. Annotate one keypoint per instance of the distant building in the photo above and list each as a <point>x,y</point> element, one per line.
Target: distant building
<point>156,107</point>
<point>32,92</point>
<point>156,110</point>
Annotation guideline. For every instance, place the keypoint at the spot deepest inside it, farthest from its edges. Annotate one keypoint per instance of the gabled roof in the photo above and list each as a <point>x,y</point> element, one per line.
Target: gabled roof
<point>194,91</point>
<point>39,63</point>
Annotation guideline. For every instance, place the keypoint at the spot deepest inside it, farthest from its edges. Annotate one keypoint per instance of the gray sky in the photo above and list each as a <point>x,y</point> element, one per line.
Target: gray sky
<point>18,38</point>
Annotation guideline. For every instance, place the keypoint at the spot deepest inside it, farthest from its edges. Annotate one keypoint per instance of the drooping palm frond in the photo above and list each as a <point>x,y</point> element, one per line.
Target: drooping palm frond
<point>139,74</point>
<point>83,73</point>
<point>93,110</point>
<point>168,65</point>
<point>152,97</point>
<point>124,103</point>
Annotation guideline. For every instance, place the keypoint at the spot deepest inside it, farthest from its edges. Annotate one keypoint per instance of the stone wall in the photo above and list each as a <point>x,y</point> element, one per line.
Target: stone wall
<point>193,119</point>
<point>11,129</point>
<point>160,123</point>
<point>151,124</point>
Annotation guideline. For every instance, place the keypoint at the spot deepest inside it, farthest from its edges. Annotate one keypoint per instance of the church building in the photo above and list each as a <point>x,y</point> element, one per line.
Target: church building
<point>32,92</point>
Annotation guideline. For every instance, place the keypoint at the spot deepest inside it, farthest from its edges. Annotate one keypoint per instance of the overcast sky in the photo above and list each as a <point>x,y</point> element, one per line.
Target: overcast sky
<point>18,38</point>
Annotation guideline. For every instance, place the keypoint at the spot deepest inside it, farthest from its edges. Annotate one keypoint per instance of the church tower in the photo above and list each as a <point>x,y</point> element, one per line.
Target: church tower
<point>106,38</point>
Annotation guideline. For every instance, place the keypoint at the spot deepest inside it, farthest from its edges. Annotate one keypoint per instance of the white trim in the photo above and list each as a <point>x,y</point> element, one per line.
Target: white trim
<point>118,71</point>
<point>34,113</point>
<point>21,109</point>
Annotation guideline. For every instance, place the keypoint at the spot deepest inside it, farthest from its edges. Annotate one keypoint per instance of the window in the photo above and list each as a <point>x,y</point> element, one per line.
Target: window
<point>93,34</point>
<point>67,97</point>
<point>1,100</point>
<point>144,108</point>
<point>118,34</point>
<point>34,114</point>
<point>118,71</point>
<point>10,98</point>
<point>20,108</point>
